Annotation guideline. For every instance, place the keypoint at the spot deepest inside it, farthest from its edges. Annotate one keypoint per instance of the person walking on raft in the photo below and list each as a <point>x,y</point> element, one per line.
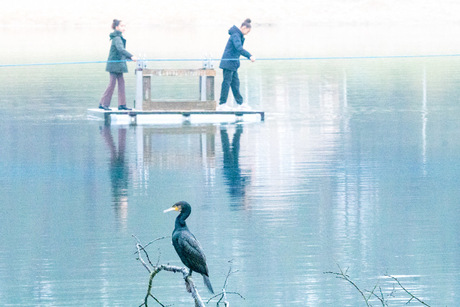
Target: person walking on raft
<point>230,63</point>
<point>116,66</point>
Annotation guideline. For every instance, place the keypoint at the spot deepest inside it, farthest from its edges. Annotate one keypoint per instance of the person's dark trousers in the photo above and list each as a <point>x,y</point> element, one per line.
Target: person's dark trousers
<point>231,80</point>
<point>107,96</point>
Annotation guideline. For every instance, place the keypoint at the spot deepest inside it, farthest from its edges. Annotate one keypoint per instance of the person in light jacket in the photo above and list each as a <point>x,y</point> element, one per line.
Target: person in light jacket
<point>230,63</point>
<point>116,66</point>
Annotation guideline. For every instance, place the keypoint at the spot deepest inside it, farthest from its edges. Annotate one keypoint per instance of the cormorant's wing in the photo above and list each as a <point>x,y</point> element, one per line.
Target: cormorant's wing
<point>191,253</point>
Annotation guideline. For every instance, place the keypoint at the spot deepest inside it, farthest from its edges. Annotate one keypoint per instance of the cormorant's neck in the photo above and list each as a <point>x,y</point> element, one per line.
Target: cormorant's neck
<point>180,220</point>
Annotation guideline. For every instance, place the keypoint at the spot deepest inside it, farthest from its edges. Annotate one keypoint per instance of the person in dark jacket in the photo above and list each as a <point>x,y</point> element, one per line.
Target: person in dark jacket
<point>116,66</point>
<point>230,63</point>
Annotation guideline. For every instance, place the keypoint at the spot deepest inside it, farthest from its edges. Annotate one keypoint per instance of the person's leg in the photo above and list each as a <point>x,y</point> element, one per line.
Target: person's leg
<point>225,86</point>
<point>236,88</point>
<point>121,90</point>
<point>107,96</point>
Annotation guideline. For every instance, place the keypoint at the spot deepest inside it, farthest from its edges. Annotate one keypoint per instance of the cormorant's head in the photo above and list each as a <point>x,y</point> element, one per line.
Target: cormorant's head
<point>181,206</point>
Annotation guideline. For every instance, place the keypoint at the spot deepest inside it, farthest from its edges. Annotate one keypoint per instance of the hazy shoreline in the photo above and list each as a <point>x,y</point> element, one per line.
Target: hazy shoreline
<point>214,13</point>
<point>280,28</point>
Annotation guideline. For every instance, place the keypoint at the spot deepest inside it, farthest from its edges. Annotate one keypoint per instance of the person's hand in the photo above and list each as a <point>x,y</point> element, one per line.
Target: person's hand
<point>252,58</point>
<point>134,58</point>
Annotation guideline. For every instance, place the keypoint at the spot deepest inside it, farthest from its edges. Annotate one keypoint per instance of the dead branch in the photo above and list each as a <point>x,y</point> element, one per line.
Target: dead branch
<point>223,294</point>
<point>153,241</point>
<point>155,269</point>
<point>149,289</point>
<point>412,297</point>
<point>343,275</point>
<point>381,297</point>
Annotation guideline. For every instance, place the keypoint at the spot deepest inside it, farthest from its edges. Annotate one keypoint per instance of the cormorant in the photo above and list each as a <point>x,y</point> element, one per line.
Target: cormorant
<point>186,245</point>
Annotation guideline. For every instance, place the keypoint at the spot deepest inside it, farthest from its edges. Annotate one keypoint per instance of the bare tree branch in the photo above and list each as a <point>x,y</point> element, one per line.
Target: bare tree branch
<point>223,294</point>
<point>157,239</point>
<point>149,289</point>
<point>411,295</point>
<point>155,269</point>
<point>343,275</point>
<point>140,247</point>
<point>189,284</point>
<point>139,257</point>
<point>381,297</point>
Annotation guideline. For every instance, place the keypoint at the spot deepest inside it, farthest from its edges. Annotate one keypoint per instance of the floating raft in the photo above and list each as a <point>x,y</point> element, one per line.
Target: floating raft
<point>134,117</point>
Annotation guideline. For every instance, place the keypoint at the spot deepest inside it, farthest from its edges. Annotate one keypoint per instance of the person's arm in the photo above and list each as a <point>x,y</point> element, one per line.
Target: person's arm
<point>121,49</point>
<point>238,46</point>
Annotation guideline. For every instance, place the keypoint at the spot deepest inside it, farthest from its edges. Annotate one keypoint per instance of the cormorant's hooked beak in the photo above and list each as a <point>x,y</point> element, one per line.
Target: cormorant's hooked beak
<point>173,208</point>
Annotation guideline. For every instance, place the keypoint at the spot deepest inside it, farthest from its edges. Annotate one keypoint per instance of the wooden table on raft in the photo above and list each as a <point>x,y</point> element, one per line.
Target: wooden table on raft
<point>205,101</point>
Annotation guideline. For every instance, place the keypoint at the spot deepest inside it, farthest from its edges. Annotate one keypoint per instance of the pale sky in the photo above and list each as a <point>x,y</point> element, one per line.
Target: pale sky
<point>212,12</point>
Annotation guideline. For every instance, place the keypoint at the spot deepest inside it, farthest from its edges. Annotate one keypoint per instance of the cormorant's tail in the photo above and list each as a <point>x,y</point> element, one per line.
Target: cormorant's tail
<point>207,282</point>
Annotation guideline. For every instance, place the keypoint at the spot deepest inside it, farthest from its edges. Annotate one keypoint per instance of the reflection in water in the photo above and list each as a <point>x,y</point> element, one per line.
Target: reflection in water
<point>424,122</point>
<point>119,172</point>
<point>353,166</point>
<point>234,178</point>
<point>176,147</point>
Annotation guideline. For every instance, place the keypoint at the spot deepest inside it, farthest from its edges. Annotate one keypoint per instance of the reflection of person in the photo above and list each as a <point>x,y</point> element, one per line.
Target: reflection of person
<point>230,63</point>
<point>119,172</point>
<point>232,171</point>
<point>116,66</point>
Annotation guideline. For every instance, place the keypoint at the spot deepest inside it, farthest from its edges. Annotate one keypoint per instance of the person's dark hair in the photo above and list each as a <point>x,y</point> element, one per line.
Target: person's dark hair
<point>246,23</point>
<point>115,23</point>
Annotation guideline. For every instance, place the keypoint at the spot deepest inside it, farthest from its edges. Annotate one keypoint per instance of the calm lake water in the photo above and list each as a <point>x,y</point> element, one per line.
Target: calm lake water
<point>356,166</point>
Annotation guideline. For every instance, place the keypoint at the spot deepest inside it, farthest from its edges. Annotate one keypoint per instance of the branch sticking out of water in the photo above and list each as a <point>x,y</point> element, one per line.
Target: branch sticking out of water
<point>380,296</point>
<point>412,297</point>
<point>223,295</point>
<point>343,275</point>
<point>155,269</point>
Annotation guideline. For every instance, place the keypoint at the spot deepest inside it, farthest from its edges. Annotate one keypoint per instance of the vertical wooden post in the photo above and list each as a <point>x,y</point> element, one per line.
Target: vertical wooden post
<point>210,88</point>
<point>207,82</point>
<point>139,85</point>
<point>206,88</point>
<point>203,84</point>
<point>147,86</point>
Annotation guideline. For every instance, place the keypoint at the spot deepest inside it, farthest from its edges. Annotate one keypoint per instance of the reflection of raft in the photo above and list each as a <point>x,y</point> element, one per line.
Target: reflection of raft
<point>175,117</point>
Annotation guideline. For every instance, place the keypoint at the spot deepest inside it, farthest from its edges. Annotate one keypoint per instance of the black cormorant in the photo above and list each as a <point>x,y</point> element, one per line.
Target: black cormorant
<point>187,246</point>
